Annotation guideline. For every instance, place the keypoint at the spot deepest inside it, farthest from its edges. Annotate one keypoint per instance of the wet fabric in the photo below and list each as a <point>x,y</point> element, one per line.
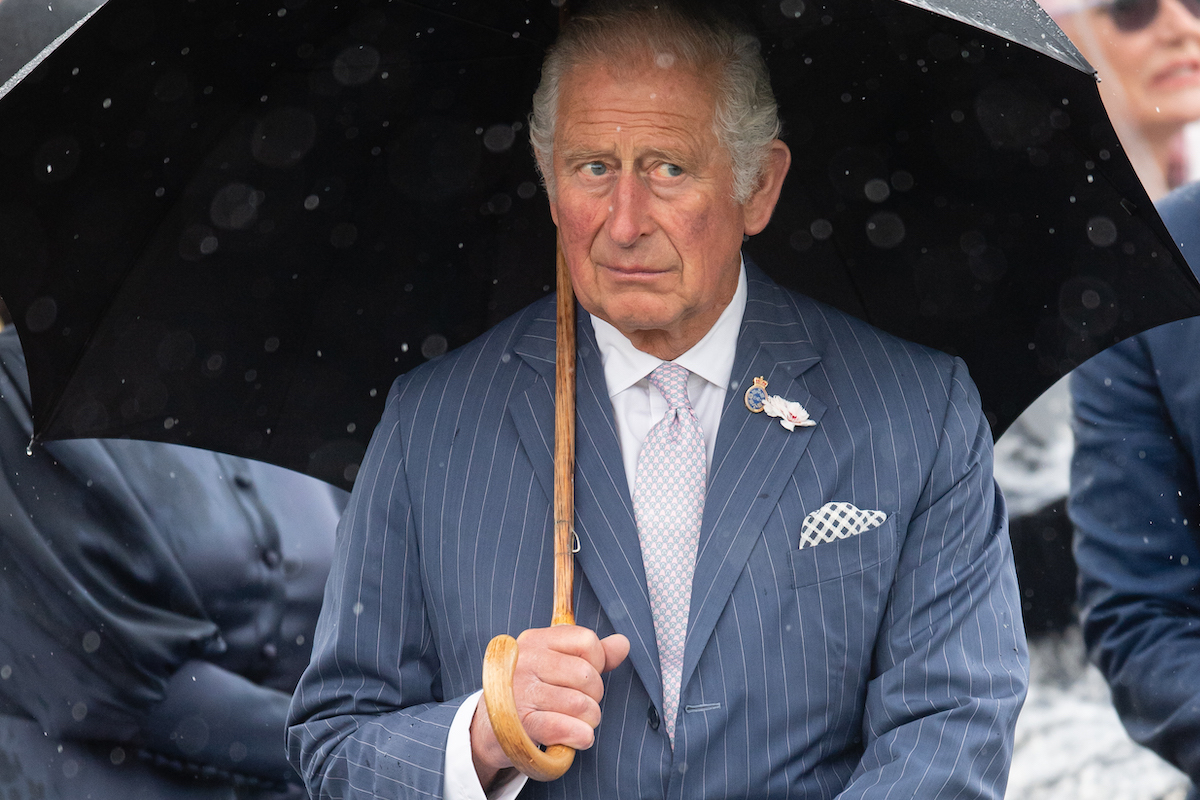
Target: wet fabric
<point>124,561</point>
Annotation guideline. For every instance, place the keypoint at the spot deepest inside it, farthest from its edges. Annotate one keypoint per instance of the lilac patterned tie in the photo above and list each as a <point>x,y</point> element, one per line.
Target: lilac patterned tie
<point>669,503</point>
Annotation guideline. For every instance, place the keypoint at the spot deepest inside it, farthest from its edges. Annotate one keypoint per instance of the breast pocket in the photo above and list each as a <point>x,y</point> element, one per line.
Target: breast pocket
<point>844,557</point>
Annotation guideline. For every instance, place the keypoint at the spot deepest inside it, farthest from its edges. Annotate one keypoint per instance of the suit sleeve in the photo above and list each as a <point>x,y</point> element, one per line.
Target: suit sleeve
<point>1135,503</point>
<point>368,718</point>
<point>951,666</point>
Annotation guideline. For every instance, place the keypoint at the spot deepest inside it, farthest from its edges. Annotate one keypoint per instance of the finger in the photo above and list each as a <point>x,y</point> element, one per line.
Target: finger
<point>549,728</point>
<point>616,648</point>
<point>546,698</point>
<point>552,668</point>
<point>572,640</point>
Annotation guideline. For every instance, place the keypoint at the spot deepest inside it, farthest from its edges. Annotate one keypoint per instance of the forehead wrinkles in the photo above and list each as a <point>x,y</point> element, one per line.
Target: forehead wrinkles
<point>607,108</point>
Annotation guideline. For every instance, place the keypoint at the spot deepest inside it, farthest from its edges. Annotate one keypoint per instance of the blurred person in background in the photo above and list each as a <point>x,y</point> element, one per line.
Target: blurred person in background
<point>157,607</point>
<point>1147,55</point>
<point>1135,501</point>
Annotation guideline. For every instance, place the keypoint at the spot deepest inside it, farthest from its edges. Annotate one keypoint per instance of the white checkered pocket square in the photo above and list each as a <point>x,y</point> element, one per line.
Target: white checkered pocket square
<point>834,521</point>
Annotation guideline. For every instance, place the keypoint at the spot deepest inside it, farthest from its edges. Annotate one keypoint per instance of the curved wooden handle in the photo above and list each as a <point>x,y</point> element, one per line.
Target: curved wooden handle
<point>498,665</point>
<point>500,660</point>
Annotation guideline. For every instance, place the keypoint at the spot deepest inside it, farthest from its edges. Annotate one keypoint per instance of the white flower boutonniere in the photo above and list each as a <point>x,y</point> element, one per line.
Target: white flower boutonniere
<point>790,414</point>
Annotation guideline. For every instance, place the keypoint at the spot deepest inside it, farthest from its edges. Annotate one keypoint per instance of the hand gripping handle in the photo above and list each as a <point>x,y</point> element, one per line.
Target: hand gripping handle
<point>498,665</point>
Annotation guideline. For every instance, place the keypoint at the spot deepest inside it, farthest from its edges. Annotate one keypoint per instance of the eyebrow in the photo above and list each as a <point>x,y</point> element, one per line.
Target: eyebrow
<point>586,155</point>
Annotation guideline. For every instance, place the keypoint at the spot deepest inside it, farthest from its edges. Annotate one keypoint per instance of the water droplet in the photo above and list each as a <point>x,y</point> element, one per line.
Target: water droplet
<point>792,8</point>
<point>1101,231</point>
<point>41,314</point>
<point>876,190</point>
<point>91,642</point>
<point>357,609</point>
<point>499,138</point>
<point>821,229</point>
<point>434,345</point>
<point>885,230</point>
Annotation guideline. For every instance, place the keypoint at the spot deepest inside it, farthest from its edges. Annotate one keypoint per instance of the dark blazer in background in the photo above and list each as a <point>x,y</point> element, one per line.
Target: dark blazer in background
<point>157,606</point>
<point>1135,502</point>
<point>891,663</point>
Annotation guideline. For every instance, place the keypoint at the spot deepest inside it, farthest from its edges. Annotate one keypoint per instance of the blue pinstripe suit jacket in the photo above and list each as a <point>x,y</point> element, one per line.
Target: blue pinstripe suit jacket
<point>891,663</point>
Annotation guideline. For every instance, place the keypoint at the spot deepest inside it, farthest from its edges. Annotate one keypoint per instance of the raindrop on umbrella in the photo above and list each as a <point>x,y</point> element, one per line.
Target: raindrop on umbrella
<point>499,138</point>
<point>792,9</point>
<point>356,65</point>
<point>41,314</point>
<point>1101,231</point>
<point>885,230</point>
<point>434,345</point>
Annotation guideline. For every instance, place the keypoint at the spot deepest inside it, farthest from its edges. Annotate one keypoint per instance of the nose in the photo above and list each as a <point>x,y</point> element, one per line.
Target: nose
<point>628,213</point>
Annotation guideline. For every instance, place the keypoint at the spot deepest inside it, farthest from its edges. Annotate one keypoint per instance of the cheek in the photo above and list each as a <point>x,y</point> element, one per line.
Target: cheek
<point>576,223</point>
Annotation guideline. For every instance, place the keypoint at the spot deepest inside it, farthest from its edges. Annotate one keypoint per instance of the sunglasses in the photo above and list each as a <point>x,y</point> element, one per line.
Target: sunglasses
<point>1134,15</point>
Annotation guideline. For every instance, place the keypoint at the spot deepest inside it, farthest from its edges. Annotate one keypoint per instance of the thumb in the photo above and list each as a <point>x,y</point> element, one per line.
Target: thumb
<point>616,647</point>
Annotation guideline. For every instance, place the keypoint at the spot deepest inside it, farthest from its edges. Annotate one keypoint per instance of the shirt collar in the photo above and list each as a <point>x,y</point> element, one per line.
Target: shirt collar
<point>711,358</point>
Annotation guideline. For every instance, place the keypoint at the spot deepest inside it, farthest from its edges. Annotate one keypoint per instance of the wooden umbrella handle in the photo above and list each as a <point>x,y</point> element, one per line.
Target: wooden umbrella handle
<point>498,666</point>
<point>500,661</point>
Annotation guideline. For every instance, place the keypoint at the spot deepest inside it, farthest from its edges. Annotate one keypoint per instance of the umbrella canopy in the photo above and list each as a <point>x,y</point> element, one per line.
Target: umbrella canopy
<point>231,226</point>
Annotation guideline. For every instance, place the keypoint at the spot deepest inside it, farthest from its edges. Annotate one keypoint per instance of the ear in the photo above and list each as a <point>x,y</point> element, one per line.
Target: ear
<point>758,209</point>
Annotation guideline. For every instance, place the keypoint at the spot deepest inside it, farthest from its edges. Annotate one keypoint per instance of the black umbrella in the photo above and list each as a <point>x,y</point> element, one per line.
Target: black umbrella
<point>232,226</point>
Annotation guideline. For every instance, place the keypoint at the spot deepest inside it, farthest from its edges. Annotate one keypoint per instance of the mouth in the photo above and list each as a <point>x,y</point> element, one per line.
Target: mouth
<point>1178,73</point>
<point>633,271</point>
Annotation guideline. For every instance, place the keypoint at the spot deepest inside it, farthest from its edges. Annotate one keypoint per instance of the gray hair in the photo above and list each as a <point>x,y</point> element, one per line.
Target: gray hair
<point>746,120</point>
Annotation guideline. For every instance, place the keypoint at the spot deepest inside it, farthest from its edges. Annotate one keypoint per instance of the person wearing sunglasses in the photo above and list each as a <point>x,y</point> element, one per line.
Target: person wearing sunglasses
<point>1147,54</point>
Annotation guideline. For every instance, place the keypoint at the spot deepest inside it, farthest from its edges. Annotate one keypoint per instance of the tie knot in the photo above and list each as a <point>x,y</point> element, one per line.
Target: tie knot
<point>671,380</point>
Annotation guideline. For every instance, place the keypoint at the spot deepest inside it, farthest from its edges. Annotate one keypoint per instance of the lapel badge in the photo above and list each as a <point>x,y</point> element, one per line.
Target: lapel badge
<point>756,395</point>
<point>791,414</point>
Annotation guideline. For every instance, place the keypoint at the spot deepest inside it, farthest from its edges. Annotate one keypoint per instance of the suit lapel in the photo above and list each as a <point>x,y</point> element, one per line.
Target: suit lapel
<point>754,455</point>
<point>610,554</point>
<point>753,459</point>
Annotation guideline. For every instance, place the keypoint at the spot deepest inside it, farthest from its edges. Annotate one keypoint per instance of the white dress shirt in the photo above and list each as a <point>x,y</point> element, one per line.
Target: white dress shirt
<point>637,406</point>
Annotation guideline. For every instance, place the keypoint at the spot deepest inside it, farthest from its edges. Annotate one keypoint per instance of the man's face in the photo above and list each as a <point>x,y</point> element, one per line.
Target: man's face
<point>644,202</point>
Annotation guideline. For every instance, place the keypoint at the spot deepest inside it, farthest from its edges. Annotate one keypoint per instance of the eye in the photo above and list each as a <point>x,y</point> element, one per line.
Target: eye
<point>595,169</point>
<point>669,170</point>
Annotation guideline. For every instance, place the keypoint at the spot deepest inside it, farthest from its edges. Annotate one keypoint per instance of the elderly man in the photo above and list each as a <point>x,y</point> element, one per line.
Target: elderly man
<point>818,608</point>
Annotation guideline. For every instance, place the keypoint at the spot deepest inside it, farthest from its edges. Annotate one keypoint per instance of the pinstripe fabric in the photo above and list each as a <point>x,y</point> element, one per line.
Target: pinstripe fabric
<point>888,664</point>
